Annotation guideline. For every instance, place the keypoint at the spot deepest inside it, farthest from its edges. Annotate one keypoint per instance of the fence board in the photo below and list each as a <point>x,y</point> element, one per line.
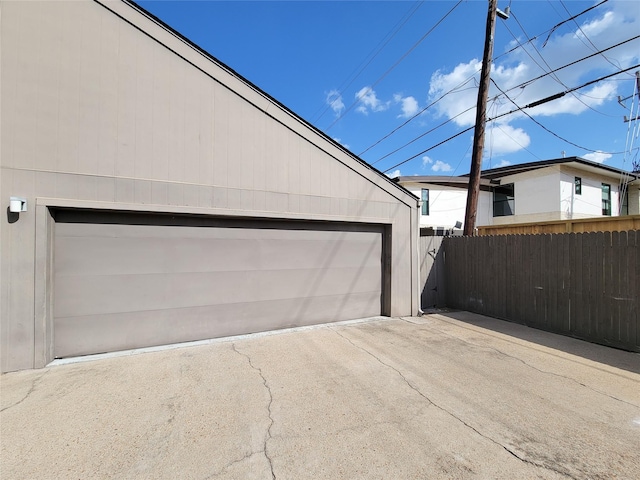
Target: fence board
<point>551,277</point>
<point>564,283</point>
<point>511,293</point>
<point>591,304</point>
<point>634,286</point>
<point>617,287</point>
<point>577,282</point>
<point>580,284</point>
<point>527,292</point>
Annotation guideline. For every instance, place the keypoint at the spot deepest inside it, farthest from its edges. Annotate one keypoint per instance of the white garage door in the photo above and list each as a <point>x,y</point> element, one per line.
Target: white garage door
<point>125,281</point>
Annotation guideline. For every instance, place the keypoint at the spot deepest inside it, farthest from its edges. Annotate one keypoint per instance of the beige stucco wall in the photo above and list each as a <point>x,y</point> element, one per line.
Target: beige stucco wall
<point>107,110</point>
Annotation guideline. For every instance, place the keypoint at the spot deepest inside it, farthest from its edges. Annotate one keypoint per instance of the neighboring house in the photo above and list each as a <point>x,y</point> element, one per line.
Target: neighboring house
<point>163,198</point>
<point>559,189</point>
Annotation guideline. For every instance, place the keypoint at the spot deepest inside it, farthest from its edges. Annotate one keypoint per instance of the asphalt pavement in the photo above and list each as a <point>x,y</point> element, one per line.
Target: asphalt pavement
<point>450,395</point>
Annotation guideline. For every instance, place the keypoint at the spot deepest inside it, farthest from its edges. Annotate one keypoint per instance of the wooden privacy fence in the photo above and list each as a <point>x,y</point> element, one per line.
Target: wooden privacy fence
<point>433,291</point>
<point>585,285</point>
<point>579,225</point>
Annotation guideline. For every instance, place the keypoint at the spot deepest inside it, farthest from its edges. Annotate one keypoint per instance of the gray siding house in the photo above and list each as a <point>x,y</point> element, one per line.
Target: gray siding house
<point>162,198</point>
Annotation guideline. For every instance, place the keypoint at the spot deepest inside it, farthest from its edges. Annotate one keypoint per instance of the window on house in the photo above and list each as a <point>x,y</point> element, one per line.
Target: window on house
<point>578,182</point>
<point>606,199</point>
<point>624,207</point>
<point>424,196</point>
<point>504,201</point>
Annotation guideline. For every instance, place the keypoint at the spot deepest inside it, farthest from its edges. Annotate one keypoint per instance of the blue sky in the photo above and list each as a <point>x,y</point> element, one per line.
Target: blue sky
<point>358,70</point>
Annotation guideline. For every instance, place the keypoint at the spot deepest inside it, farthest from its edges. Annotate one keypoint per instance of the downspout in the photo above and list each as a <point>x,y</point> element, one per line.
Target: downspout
<point>418,256</point>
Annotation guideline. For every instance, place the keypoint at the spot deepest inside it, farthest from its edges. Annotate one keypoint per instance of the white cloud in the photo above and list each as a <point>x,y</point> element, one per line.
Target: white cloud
<point>457,102</point>
<point>503,138</point>
<point>409,105</point>
<point>394,174</point>
<point>613,23</point>
<point>369,101</point>
<point>340,142</point>
<point>502,163</point>
<point>596,27</point>
<point>334,100</point>
<point>598,157</point>
<point>440,166</point>
<point>426,161</point>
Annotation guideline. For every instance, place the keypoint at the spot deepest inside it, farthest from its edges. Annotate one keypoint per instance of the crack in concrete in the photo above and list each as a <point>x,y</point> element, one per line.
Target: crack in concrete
<point>231,464</point>
<point>268,434</point>
<point>415,389</point>
<point>533,367</point>
<point>31,390</point>
<point>451,414</point>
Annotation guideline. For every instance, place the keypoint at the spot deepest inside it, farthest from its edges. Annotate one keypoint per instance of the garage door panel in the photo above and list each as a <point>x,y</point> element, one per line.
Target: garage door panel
<point>147,255</point>
<point>88,295</point>
<point>83,255</point>
<point>82,295</point>
<point>285,284</point>
<point>112,332</point>
<point>127,286</point>
<point>340,249</point>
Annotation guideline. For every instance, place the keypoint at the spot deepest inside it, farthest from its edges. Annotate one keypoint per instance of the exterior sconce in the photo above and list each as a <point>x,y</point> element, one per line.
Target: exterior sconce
<point>17,204</point>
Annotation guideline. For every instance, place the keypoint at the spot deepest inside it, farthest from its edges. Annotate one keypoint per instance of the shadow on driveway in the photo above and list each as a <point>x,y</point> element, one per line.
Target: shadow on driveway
<point>613,357</point>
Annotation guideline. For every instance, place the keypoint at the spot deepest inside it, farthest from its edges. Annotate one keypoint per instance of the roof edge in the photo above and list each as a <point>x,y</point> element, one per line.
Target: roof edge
<point>525,167</point>
<point>261,92</point>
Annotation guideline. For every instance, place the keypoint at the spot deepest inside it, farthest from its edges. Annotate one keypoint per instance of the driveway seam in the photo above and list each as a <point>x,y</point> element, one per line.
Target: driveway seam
<point>514,454</point>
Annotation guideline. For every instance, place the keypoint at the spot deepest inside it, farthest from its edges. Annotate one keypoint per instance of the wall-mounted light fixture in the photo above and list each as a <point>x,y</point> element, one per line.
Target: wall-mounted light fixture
<point>17,204</point>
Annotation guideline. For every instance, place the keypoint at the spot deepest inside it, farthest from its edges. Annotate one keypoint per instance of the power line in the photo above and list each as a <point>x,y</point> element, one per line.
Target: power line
<point>541,125</point>
<point>524,84</point>
<point>530,105</point>
<point>373,54</point>
<point>548,66</point>
<point>528,82</point>
<point>430,148</point>
<point>397,62</point>
<point>456,88</point>
<point>553,29</point>
<point>549,31</point>
<point>424,134</point>
<point>539,102</point>
<point>585,35</point>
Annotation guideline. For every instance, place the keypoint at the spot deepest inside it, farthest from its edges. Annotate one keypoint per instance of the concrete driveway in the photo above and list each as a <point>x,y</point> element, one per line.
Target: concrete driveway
<point>448,395</point>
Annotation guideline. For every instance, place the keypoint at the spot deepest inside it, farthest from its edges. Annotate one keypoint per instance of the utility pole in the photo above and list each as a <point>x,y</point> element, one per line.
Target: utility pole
<point>481,119</point>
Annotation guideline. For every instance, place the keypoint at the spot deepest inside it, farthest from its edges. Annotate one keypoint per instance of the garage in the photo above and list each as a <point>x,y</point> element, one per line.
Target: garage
<point>131,280</point>
<point>199,208</point>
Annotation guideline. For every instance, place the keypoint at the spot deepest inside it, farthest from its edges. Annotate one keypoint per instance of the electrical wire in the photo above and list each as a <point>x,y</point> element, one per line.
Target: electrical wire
<point>396,63</point>
<point>522,85</point>
<point>454,89</point>
<point>540,124</point>
<point>528,82</point>
<point>373,54</point>
<point>548,66</point>
<point>569,19</point>
<point>518,109</point>
<point>423,134</point>
<point>585,35</point>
